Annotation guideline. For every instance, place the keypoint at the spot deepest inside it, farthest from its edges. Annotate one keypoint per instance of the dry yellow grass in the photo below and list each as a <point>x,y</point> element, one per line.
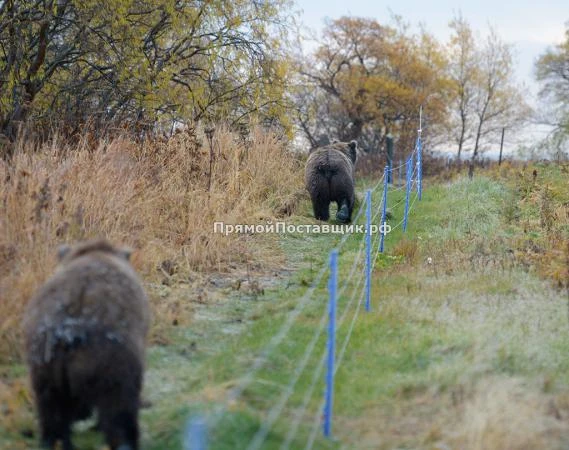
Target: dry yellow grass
<point>157,197</point>
<point>508,414</point>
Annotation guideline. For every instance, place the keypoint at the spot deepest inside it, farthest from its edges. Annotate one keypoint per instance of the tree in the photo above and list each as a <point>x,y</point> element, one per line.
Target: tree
<point>366,80</point>
<point>485,96</point>
<point>552,71</point>
<point>499,102</point>
<point>463,71</point>
<point>143,63</point>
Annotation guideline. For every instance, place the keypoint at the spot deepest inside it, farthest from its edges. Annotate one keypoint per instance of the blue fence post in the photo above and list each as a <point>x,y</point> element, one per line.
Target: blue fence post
<point>420,155</point>
<point>407,189</point>
<point>368,249</point>
<point>419,167</point>
<point>332,289</point>
<point>383,211</point>
<point>389,149</point>
<point>196,435</point>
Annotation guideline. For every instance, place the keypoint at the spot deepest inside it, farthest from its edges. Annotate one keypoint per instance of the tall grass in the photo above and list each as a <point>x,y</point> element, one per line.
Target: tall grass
<point>538,213</point>
<point>159,197</point>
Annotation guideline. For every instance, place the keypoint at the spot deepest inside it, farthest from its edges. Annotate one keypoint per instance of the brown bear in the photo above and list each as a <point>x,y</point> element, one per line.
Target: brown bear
<point>329,177</point>
<point>85,331</point>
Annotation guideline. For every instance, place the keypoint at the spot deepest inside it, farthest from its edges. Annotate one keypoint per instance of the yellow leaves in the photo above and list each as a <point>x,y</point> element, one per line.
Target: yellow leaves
<point>381,72</point>
<point>185,60</point>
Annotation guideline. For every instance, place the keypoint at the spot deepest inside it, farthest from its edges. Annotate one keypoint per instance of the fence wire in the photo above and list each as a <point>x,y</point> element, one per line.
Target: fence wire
<point>276,411</point>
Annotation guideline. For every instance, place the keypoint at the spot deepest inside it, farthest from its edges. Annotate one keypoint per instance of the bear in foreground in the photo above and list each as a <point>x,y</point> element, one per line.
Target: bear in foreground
<point>329,177</point>
<point>85,331</point>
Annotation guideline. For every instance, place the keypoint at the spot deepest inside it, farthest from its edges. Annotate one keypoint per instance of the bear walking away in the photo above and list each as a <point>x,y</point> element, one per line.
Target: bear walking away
<point>85,331</point>
<point>329,177</point>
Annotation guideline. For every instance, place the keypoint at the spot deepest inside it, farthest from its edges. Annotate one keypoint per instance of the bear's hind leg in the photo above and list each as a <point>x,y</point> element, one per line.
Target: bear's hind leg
<point>120,426</point>
<point>118,407</point>
<point>351,201</point>
<point>54,420</point>
<point>321,207</point>
<point>344,213</point>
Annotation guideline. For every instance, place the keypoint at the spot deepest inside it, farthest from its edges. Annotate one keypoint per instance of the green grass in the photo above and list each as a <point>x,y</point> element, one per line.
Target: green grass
<point>467,351</point>
<point>435,330</point>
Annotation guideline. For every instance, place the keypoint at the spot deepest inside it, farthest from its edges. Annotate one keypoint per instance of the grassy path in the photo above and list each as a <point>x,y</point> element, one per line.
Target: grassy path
<point>467,351</point>
<point>463,349</point>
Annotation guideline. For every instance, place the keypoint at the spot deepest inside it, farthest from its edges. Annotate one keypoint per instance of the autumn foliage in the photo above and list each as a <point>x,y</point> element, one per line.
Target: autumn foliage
<point>146,65</point>
<point>370,80</point>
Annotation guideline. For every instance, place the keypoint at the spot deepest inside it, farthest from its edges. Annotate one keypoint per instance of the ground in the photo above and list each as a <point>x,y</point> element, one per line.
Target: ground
<point>465,346</point>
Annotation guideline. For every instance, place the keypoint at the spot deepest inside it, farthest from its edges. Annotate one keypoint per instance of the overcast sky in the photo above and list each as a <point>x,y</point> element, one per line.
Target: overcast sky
<point>530,25</point>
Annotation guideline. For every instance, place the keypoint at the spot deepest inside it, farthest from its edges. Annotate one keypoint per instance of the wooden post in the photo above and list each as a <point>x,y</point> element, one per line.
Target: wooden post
<point>501,146</point>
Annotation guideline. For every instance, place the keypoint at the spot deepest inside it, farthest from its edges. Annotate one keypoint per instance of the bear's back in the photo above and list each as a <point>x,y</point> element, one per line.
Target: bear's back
<point>330,156</point>
<point>95,293</point>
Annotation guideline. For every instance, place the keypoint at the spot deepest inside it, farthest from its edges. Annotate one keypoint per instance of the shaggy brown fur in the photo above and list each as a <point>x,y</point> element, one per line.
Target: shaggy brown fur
<point>85,332</point>
<point>329,177</point>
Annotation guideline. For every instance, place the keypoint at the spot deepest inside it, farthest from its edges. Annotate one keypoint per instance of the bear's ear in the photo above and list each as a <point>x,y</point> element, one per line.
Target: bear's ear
<point>62,251</point>
<point>353,146</point>
<point>125,253</point>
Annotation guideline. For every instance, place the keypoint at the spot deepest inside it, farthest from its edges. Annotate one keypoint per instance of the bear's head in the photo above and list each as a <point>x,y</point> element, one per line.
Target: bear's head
<point>350,149</point>
<point>66,253</point>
